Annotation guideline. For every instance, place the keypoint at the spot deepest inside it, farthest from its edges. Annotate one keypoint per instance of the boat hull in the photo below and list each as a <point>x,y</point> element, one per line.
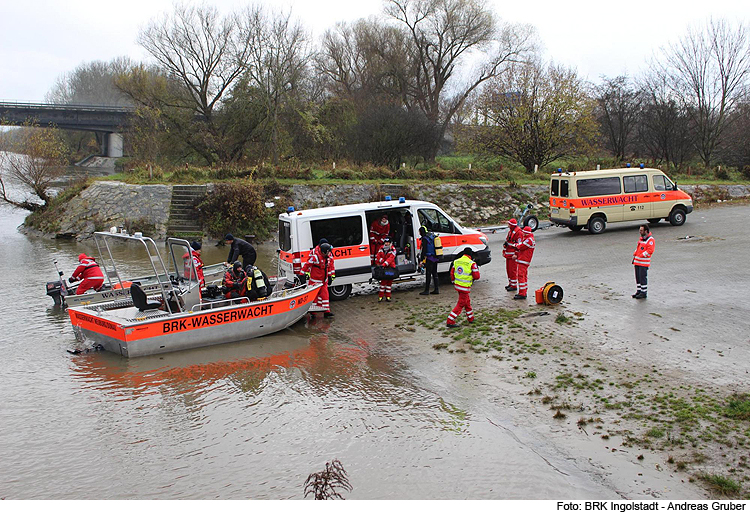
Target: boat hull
<point>134,334</point>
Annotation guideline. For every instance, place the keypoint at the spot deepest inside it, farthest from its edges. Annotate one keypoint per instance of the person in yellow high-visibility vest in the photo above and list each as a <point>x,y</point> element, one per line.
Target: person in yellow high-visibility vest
<point>464,271</point>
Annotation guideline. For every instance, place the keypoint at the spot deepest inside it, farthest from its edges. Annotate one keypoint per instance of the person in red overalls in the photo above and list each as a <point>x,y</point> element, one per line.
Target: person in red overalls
<point>523,259</point>
<point>195,253</point>
<point>379,231</point>
<point>235,282</point>
<point>90,272</point>
<point>642,260</point>
<point>464,271</point>
<point>319,269</point>
<point>386,257</point>
<point>509,252</point>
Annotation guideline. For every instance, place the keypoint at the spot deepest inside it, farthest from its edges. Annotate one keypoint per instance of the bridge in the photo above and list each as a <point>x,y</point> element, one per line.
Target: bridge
<point>106,121</point>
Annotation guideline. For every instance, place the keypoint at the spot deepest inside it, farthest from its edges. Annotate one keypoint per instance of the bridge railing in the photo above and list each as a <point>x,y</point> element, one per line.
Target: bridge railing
<point>53,106</point>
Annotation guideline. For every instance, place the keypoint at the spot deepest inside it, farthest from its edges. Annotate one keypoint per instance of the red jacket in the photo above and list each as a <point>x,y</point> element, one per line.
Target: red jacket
<point>88,269</point>
<point>236,283</point>
<point>378,232</point>
<point>318,266</point>
<point>513,238</point>
<point>385,258</point>
<point>526,249</point>
<point>643,251</point>
<point>198,267</point>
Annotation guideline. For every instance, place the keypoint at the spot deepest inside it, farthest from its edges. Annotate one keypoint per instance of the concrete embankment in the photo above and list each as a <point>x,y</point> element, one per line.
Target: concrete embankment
<point>147,208</point>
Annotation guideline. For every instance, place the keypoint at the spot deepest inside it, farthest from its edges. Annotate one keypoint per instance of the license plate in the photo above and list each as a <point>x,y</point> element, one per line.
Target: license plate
<point>554,210</point>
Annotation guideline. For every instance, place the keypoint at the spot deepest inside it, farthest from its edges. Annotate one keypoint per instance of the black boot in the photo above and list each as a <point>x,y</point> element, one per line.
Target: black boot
<point>519,296</point>
<point>426,292</point>
<point>510,288</point>
<point>435,292</point>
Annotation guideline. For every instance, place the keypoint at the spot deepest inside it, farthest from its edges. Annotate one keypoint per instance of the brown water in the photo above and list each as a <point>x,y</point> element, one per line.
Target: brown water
<point>249,419</point>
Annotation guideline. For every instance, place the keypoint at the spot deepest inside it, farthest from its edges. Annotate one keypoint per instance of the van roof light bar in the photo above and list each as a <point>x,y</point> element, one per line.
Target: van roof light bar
<point>401,199</point>
<point>388,198</point>
<point>641,165</point>
<point>559,170</point>
<point>627,165</point>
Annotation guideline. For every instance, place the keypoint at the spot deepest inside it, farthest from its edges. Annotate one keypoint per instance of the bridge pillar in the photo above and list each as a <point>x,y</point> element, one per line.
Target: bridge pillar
<point>112,145</point>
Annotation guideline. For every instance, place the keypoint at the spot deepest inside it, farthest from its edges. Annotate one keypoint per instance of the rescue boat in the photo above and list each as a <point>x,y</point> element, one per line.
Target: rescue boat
<point>180,315</point>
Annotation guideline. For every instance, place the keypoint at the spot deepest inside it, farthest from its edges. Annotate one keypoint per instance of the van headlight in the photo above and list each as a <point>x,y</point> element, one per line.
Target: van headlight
<point>484,240</point>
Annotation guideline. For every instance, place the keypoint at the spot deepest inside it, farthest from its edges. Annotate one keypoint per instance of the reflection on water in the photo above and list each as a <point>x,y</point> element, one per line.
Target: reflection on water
<point>241,420</point>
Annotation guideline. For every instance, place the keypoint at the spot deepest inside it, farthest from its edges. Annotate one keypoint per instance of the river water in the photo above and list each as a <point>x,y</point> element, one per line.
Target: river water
<point>250,419</point>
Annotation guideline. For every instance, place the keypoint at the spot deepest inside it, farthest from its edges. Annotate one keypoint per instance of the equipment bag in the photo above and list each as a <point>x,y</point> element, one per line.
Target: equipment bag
<point>383,273</point>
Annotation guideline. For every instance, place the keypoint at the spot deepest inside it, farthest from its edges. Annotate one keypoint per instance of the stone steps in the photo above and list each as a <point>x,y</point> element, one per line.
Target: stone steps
<point>183,218</point>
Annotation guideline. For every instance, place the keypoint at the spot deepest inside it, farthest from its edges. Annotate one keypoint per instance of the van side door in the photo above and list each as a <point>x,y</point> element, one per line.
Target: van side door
<point>348,236</point>
<point>638,204</point>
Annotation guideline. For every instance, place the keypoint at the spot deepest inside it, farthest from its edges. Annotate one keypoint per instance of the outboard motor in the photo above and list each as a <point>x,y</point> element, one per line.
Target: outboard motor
<point>57,289</point>
<point>54,290</point>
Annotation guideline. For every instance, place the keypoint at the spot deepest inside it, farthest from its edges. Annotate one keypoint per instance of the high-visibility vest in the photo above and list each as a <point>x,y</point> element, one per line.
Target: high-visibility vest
<point>462,271</point>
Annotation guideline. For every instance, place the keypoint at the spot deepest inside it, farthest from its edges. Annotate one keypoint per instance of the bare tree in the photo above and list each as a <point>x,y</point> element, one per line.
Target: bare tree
<point>32,157</point>
<point>534,115</point>
<point>441,34</point>
<point>664,129</point>
<point>619,105</point>
<point>92,83</point>
<point>708,70</point>
<point>207,53</point>
<point>276,64</point>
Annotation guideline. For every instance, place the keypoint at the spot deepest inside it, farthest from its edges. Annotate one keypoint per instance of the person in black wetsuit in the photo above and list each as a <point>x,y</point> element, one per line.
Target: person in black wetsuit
<point>240,248</point>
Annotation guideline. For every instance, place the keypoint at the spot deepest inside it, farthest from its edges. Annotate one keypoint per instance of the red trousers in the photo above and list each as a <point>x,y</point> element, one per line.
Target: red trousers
<point>385,289</point>
<point>321,301</point>
<point>89,284</point>
<point>463,302</point>
<point>511,268</point>
<point>523,279</point>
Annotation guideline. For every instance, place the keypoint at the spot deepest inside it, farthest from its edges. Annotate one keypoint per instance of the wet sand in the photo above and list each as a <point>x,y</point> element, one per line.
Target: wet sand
<point>632,394</point>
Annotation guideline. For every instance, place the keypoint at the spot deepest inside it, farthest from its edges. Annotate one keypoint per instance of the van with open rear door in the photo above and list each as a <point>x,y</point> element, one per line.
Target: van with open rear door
<point>346,227</point>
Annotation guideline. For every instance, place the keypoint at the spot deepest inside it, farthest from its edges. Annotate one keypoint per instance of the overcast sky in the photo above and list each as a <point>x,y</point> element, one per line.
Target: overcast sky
<point>42,39</point>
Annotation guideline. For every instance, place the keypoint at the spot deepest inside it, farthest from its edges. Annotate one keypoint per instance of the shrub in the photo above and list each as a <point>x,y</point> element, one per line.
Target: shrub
<point>236,207</point>
<point>745,172</point>
<point>720,173</point>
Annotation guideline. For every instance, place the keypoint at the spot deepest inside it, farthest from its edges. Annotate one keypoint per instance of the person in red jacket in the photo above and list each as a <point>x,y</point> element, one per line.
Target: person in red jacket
<point>464,271</point>
<point>89,273</point>
<point>386,257</point>
<point>510,246</point>
<point>195,253</point>
<point>235,282</point>
<point>379,231</point>
<point>523,259</point>
<point>320,269</point>
<point>642,261</point>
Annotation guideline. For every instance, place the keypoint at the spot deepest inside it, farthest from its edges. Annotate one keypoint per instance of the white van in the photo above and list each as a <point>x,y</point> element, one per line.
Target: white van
<point>347,227</point>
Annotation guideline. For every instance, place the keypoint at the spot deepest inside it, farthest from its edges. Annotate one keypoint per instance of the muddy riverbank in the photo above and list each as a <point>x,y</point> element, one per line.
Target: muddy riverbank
<point>652,397</point>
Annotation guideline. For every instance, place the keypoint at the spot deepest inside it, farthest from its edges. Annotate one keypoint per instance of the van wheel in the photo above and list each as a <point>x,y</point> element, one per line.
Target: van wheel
<point>597,225</point>
<point>339,292</point>
<point>653,221</point>
<point>575,228</point>
<point>677,217</point>
<point>532,222</point>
